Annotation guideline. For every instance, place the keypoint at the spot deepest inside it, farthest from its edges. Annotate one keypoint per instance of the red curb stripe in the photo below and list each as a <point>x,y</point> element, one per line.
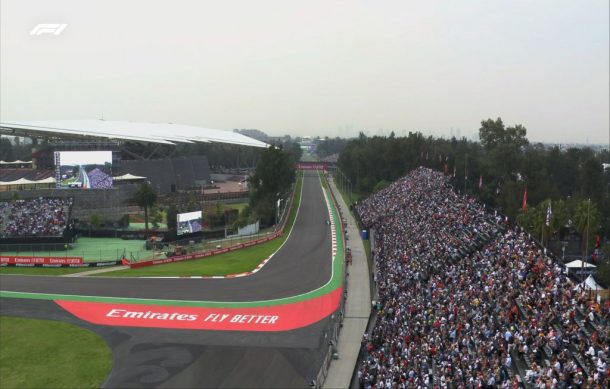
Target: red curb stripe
<point>269,318</point>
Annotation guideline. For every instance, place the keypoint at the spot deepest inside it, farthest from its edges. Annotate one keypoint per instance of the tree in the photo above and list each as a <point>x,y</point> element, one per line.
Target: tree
<point>534,221</point>
<point>170,217</point>
<point>95,220</point>
<point>145,197</point>
<point>591,179</point>
<point>491,133</point>
<point>6,149</point>
<point>586,219</point>
<point>275,173</point>
<point>329,146</point>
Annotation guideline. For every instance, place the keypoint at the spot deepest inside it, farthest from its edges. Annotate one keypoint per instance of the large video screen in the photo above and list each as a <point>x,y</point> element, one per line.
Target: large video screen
<point>189,222</point>
<point>83,169</point>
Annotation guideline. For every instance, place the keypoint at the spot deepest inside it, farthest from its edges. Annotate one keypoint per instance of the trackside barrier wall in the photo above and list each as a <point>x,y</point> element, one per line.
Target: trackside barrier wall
<point>73,265</point>
<point>204,254</point>
<point>41,260</point>
<point>373,278</point>
<point>336,319</point>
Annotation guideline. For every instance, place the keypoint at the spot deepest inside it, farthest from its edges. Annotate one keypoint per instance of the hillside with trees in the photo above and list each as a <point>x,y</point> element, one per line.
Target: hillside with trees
<point>497,170</point>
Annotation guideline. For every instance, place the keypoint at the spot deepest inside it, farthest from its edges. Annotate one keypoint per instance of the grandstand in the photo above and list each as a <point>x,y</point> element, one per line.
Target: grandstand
<point>42,217</point>
<point>11,174</point>
<point>171,174</point>
<point>130,146</point>
<point>464,300</point>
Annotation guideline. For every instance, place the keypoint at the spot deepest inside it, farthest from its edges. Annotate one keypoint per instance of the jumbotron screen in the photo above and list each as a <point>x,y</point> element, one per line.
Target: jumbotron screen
<point>83,169</point>
<point>189,222</point>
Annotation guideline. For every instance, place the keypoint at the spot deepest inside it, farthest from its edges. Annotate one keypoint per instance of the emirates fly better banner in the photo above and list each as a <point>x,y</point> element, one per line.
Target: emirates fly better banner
<point>41,260</point>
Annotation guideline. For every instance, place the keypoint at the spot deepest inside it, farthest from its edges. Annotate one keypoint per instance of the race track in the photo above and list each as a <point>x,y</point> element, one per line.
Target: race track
<point>162,357</point>
<point>301,265</point>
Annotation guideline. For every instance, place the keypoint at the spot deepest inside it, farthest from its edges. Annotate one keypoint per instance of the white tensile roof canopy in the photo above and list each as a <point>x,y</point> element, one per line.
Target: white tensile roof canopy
<point>163,133</point>
<point>578,264</point>
<point>589,283</point>
<point>128,177</point>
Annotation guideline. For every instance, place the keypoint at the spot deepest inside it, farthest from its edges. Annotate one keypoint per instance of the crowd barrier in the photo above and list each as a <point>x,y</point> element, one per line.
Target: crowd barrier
<point>336,319</point>
<point>77,265</point>
<point>14,260</point>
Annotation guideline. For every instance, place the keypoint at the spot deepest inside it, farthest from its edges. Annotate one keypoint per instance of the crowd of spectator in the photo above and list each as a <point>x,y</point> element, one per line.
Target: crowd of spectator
<point>34,218</point>
<point>98,179</point>
<point>464,298</point>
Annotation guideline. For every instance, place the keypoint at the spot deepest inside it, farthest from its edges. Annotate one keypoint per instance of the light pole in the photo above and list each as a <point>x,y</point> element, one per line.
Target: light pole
<point>277,207</point>
<point>582,264</point>
<point>465,172</point>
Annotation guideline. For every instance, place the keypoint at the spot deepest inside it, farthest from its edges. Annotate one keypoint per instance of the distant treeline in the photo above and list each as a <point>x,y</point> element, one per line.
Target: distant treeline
<point>497,170</point>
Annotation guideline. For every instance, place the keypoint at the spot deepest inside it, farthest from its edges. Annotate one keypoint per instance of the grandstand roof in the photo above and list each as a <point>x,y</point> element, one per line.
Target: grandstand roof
<point>17,162</point>
<point>164,133</point>
<point>128,177</point>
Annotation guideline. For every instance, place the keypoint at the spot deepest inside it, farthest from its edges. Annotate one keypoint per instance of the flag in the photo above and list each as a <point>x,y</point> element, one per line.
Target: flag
<point>597,241</point>
<point>549,213</point>
<point>524,206</point>
<point>481,181</point>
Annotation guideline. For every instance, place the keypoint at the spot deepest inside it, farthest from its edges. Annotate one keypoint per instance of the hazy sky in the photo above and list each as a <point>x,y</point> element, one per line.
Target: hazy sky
<point>313,67</point>
<point>85,157</point>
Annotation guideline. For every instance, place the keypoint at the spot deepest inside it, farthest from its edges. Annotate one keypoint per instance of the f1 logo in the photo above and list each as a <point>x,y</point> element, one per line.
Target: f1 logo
<point>48,28</point>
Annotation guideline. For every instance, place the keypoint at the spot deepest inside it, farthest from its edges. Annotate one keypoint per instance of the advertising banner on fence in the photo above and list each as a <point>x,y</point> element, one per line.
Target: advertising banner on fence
<point>13,260</point>
<point>267,318</point>
<point>311,166</point>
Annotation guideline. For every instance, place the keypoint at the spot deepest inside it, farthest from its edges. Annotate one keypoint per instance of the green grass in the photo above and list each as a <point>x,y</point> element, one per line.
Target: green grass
<point>50,354</point>
<point>239,206</point>
<point>230,263</point>
<point>44,271</point>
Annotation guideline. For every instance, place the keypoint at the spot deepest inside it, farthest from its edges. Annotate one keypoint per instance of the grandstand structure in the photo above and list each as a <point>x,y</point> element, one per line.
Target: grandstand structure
<point>153,133</point>
<point>140,152</point>
<point>170,175</point>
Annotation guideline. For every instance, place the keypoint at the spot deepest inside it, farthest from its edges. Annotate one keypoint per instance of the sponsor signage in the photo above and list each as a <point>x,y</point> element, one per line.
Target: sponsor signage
<point>266,319</point>
<point>311,166</point>
<point>11,260</point>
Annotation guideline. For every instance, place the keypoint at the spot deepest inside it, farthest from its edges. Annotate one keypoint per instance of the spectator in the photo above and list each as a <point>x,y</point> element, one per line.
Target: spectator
<point>458,291</point>
<point>36,217</point>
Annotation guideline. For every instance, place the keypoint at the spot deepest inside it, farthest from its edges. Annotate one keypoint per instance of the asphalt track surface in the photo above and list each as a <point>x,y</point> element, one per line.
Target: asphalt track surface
<point>164,358</point>
<point>301,265</point>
